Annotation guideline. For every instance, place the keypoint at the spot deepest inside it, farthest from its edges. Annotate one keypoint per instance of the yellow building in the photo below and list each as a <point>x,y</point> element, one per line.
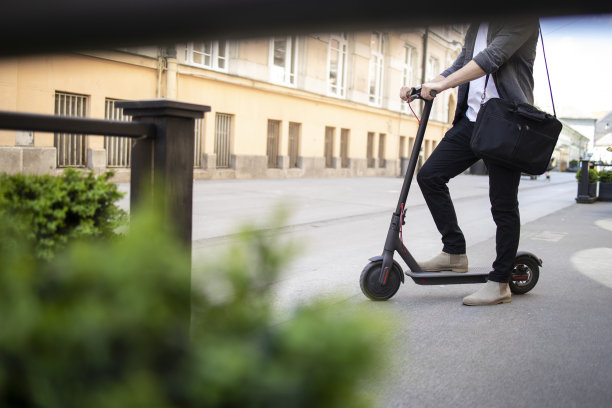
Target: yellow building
<point>297,106</point>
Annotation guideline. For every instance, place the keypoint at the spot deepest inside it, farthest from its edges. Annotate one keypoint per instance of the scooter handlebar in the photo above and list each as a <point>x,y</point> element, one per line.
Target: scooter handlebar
<point>415,93</point>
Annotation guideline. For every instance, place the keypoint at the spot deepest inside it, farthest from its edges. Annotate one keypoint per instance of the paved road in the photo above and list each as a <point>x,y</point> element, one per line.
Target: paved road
<point>548,348</point>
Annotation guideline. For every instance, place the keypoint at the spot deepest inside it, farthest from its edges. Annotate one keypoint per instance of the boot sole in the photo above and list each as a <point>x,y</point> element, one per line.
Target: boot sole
<point>496,302</point>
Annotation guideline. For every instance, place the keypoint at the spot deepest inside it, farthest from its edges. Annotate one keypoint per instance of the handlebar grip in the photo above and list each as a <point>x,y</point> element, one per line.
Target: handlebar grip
<point>416,92</point>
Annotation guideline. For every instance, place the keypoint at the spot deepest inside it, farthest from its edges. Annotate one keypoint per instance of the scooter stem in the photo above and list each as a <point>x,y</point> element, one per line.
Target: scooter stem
<point>414,156</point>
<point>393,242</point>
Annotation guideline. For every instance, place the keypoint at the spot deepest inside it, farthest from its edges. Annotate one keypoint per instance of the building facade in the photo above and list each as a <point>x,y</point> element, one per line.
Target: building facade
<point>292,106</point>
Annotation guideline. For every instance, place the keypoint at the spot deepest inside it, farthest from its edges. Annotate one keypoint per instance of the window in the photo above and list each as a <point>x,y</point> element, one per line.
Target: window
<point>409,70</point>
<point>283,60</point>
<point>295,129</point>
<point>329,146</point>
<point>381,150</point>
<point>402,147</point>
<point>273,143</point>
<point>370,149</point>
<point>336,65</point>
<point>118,149</point>
<point>71,148</point>
<point>223,139</point>
<point>376,68</point>
<point>208,54</point>
<point>344,148</point>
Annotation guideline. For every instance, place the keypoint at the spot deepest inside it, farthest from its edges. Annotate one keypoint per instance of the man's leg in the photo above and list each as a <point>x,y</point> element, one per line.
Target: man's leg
<point>452,156</point>
<point>503,191</point>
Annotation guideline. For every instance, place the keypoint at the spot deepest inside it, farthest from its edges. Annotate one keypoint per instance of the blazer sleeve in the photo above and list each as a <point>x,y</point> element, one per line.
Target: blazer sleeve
<point>506,42</point>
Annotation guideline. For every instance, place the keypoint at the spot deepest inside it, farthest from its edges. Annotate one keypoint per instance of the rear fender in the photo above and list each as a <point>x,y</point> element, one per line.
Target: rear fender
<point>530,255</point>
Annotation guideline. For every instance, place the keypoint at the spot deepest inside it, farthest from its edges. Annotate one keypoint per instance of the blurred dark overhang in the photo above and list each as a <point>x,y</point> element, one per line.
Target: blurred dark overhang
<point>43,26</point>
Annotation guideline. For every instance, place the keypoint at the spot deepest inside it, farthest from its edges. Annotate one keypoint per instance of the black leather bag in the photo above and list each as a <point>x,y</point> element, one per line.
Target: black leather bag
<point>515,135</point>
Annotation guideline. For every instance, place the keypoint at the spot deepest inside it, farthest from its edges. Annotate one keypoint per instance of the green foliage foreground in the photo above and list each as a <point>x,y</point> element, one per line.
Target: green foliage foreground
<point>53,210</point>
<point>103,325</point>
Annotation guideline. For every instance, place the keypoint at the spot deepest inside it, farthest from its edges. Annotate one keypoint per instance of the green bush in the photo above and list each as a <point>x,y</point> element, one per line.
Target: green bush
<point>54,210</point>
<point>573,163</point>
<point>103,325</point>
<point>605,176</point>
<point>593,175</point>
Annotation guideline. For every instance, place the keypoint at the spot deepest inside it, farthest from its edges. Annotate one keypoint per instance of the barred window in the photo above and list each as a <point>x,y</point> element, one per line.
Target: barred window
<point>71,148</point>
<point>223,139</point>
<point>118,149</point>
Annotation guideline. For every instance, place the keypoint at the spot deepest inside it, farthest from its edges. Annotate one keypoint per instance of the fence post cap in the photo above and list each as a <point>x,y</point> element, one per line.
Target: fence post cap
<point>162,107</point>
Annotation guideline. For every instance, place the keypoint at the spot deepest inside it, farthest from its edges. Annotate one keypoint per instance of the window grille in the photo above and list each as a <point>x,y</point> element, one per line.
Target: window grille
<point>118,149</point>
<point>336,71</point>
<point>381,150</point>
<point>294,143</point>
<point>273,143</point>
<point>197,145</point>
<point>329,146</point>
<point>223,139</point>
<point>71,148</point>
<point>370,149</point>
<point>376,68</point>
<point>344,147</point>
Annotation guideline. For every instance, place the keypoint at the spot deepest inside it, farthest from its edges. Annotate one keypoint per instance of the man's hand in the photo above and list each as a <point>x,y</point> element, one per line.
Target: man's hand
<point>431,86</point>
<point>405,94</point>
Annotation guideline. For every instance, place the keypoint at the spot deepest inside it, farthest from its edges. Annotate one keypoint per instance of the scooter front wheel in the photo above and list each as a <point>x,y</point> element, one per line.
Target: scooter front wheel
<point>370,281</point>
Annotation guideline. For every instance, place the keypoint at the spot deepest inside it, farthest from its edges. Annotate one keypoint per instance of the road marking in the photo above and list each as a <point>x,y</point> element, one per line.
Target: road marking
<point>605,224</point>
<point>549,236</point>
<point>594,263</point>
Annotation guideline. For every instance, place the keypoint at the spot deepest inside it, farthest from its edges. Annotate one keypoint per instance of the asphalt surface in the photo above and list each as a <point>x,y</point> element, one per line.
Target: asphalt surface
<point>548,348</point>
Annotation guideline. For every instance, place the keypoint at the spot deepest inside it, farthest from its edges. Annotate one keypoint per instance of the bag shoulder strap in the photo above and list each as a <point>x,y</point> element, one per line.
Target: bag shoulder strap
<point>484,92</point>
<point>547,76</point>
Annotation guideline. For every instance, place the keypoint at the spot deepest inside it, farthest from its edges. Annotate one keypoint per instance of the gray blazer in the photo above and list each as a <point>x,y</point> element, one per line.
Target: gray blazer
<point>509,57</point>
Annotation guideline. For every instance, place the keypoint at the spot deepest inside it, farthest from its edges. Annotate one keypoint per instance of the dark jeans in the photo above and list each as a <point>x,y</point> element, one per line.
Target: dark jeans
<point>453,156</point>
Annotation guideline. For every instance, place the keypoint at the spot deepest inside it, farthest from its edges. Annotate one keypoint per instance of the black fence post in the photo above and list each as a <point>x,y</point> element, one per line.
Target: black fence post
<point>163,165</point>
<point>585,195</point>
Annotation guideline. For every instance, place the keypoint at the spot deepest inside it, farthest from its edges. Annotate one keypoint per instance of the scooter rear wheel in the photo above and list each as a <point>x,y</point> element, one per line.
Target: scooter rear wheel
<point>369,281</point>
<point>525,275</point>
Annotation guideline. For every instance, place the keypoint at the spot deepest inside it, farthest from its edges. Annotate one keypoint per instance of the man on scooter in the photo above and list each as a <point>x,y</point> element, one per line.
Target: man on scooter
<point>505,50</point>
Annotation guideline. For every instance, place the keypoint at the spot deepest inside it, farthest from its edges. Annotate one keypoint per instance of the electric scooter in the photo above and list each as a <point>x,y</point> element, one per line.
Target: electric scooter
<point>382,277</point>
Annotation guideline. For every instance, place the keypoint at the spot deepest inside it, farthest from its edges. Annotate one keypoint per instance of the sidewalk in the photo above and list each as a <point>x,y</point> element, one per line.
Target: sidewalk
<point>551,345</point>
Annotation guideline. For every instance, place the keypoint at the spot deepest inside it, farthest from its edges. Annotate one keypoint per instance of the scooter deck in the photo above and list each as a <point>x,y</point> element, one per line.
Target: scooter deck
<point>473,275</point>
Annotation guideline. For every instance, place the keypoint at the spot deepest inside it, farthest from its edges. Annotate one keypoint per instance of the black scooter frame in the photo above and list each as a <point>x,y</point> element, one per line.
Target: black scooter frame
<point>393,243</point>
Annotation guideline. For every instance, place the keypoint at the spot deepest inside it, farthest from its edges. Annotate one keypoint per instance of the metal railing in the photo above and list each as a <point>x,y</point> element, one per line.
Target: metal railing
<point>162,152</point>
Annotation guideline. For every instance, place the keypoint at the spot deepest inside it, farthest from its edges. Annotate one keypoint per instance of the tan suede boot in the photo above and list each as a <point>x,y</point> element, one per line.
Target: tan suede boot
<point>492,293</point>
<point>446,262</point>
